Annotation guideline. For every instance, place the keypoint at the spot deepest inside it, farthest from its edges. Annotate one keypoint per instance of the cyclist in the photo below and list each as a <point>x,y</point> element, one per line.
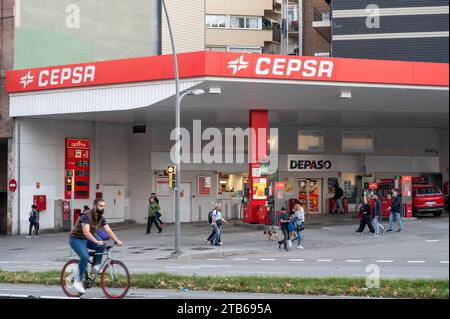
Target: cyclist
<point>84,236</point>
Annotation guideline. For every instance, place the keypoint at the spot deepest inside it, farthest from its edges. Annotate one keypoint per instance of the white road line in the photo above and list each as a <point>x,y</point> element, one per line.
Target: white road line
<point>324,260</point>
<point>240,259</point>
<point>25,290</point>
<point>296,260</point>
<point>214,259</point>
<point>384,261</point>
<point>56,297</point>
<point>444,262</point>
<point>353,261</point>
<point>432,240</point>
<point>416,261</point>
<point>257,272</point>
<point>267,259</point>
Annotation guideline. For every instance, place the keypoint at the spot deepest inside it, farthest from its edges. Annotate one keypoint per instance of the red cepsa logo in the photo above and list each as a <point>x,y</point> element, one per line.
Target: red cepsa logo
<point>285,67</point>
<point>55,77</point>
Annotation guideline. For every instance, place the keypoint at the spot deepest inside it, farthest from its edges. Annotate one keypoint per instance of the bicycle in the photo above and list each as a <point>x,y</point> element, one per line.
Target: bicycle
<point>115,278</point>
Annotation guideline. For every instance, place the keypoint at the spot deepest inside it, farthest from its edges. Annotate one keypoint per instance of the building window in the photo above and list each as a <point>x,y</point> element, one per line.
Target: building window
<point>245,50</point>
<point>231,185</point>
<point>252,23</point>
<point>357,142</point>
<point>311,141</point>
<point>213,21</point>
<point>216,49</point>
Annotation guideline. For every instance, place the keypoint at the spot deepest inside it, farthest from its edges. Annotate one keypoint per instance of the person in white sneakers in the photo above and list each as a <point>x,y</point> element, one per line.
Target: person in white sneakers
<point>82,238</point>
<point>299,219</point>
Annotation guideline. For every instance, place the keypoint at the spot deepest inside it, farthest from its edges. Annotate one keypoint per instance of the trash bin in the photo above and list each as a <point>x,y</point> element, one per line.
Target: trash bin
<point>263,217</point>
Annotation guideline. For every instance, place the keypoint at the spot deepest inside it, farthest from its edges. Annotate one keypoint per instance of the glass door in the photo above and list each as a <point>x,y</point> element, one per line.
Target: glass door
<point>310,192</point>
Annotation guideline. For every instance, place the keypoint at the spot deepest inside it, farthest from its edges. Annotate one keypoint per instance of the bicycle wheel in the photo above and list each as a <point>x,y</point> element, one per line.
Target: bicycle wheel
<point>115,280</point>
<point>68,273</point>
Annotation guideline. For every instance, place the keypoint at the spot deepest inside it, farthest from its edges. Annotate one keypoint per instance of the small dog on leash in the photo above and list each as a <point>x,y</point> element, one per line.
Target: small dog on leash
<point>271,234</point>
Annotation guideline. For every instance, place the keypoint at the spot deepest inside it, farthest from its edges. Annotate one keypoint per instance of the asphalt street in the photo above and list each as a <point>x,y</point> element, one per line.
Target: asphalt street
<point>331,249</point>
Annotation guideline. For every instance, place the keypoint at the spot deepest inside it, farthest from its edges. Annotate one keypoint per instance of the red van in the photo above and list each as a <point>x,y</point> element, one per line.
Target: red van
<point>427,199</point>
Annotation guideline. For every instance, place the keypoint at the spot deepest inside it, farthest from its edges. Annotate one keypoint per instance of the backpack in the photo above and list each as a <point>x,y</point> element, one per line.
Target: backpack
<point>210,217</point>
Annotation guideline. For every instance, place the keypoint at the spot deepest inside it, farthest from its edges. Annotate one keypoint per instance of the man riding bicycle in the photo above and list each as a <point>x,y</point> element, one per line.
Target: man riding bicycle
<point>84,236</point>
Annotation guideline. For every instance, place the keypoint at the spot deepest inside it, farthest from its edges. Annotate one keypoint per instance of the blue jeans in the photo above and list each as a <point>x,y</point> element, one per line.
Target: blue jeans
<point>217,229</point>
<point>377,224</point>
<point>299,234</point>
<point>398,216</point>
<point>81,246</point>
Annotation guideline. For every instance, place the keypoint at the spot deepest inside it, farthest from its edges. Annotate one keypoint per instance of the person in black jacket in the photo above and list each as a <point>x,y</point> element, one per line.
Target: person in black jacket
<point>365,220</point>
<point>396,208</point>
<point>338,197</point>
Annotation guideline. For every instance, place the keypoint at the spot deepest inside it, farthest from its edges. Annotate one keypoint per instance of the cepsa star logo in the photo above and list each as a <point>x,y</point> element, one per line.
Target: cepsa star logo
<point>26,80</point>
<point>238,64</point>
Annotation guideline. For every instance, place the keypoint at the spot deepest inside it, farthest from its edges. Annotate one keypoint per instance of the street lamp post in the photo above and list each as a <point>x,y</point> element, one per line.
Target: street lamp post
<point>177,127</point>
<point>177,132</point>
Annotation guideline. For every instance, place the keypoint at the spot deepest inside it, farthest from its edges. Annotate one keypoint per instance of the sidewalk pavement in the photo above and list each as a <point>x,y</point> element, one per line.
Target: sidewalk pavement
<point>238,238</point>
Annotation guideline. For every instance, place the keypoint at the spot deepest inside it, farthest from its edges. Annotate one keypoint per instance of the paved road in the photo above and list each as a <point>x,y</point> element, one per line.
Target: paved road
<point>422,251</point>
<point>55,292</point>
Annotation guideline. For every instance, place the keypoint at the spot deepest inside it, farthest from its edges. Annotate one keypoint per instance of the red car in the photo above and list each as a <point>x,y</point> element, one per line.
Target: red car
<point>427,199</point>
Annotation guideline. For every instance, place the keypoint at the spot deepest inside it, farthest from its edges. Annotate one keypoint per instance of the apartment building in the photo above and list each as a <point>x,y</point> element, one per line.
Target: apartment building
<point>386,30</point>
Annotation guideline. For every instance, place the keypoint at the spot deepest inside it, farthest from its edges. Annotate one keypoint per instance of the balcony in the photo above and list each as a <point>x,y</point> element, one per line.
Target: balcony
<point>322,22</point>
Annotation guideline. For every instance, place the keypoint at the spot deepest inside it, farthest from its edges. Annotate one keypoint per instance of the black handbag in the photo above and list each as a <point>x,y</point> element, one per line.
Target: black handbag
<point>300,228</point>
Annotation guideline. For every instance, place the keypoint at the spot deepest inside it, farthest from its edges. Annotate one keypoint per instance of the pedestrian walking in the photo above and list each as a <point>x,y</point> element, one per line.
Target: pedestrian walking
<point>284,222</point>
<point>217,222</point>
<point>395,211</point>
<point>210,238</point>
<point>338,197</point>
<point>377,214</point>
<point>153,207</point>
<point>365,220</point>
<point>299,220</point>
<point>34,222</point>
<point>158,214</point>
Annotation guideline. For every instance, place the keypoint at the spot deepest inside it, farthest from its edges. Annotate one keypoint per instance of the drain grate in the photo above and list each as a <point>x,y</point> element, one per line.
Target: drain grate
<point>137,252</point>
<point>135,247</point>
<point>150,249</point>
<point>17,249</point>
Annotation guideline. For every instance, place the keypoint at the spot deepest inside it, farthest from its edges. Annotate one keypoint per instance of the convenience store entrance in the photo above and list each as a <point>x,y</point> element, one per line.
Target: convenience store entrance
<point>310,192</point>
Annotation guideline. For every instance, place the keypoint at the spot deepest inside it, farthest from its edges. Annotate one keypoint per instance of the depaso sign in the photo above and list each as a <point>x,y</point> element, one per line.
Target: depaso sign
<point>310,165</point>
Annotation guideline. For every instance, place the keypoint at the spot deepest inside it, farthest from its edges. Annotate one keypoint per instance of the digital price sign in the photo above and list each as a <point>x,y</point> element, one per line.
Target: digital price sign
<point>77,160</point>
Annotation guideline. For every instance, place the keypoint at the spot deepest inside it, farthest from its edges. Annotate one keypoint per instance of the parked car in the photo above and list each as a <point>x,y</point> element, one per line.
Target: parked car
<point>427,199</point>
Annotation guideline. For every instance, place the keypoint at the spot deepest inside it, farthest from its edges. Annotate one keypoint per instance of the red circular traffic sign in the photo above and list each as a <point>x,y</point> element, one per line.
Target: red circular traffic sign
<point>12,185</point>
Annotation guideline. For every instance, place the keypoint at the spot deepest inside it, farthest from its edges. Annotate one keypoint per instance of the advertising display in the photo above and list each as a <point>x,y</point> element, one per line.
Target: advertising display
<point>78,161</point>
<point>162,186</point>
<point>204,185</point>
<point>259,188</point>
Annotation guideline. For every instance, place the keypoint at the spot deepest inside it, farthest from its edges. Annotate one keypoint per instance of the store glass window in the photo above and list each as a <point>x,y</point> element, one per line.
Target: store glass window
<point>231,185</point>
<point>311,141</point>
<point>357,142</point>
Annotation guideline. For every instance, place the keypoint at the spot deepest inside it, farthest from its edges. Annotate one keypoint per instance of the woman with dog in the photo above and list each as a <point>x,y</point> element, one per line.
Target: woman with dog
<point>298,219</point>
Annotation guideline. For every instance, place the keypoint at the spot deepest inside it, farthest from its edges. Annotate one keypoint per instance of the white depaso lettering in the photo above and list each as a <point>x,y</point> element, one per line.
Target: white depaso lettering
<point>63,76</point>
<point>290,67</point>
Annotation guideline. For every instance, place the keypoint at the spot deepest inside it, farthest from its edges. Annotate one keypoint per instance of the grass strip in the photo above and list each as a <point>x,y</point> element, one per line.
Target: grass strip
<point>395,288</point>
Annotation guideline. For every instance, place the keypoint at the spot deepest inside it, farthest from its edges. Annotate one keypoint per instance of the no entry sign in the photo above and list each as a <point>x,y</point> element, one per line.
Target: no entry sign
<point>12,185</point>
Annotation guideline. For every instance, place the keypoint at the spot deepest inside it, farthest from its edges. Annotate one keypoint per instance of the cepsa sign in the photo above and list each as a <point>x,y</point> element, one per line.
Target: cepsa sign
<point>58,77</point>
